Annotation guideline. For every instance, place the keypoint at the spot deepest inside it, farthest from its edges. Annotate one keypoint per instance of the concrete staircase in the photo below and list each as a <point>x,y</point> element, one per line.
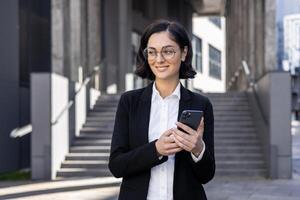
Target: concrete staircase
<point>237,149</point>
<point>89,152</point>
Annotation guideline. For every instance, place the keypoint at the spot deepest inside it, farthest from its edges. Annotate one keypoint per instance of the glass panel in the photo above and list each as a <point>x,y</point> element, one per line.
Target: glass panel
<point>214,62</point>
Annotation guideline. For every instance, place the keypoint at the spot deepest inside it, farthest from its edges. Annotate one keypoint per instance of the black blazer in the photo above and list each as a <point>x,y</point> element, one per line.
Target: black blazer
<point>132,156</point>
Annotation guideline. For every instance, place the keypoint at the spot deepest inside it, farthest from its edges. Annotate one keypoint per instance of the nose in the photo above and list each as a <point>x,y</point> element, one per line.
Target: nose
<point>160,58</point>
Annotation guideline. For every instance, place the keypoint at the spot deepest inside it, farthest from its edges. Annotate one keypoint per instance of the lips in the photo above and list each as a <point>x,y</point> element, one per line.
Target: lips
<point>161,68</point>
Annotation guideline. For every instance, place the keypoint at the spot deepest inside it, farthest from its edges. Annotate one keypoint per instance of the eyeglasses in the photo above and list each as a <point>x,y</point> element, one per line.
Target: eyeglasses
<point>166,52</point>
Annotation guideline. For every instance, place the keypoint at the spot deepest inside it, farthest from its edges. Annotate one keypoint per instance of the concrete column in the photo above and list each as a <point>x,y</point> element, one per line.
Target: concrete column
<point>9,84</point>
<point>270,60</point>
<point>117,44</point>
<point>50,93</point>
<point>93,33</point>
<point>41,123</point>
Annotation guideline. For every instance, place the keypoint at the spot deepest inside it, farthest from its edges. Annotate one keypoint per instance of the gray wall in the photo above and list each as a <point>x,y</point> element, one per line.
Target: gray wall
<point>9,84</point>
<point>272,116</point>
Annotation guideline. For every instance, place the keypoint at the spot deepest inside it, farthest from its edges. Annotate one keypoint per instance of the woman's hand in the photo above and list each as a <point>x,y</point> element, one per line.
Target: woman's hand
<point>166,144</point>
<point>190,141</point>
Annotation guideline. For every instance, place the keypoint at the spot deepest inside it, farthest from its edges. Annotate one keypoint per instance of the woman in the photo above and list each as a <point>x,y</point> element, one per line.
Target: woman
<point>155,159</point>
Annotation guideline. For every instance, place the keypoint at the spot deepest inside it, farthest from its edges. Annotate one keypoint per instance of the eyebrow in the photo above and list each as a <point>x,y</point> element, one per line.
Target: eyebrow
<point>162,47</point>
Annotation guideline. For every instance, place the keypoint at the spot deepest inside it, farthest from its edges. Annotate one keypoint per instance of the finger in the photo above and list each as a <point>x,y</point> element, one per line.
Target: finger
<point>185,128</point>
<point>183,135</point>
<point>170,139</point>
<point>185,144</point>
<point>173,151</point>
<point>181,143</point>
<point>171,146</point>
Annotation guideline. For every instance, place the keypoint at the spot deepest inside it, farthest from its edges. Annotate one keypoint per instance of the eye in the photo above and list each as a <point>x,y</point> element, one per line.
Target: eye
<point>151,52</point>
<point>168,51</point>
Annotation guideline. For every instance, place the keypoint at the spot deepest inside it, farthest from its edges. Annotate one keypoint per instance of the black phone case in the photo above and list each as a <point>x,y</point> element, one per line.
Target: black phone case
<point>191,118</point>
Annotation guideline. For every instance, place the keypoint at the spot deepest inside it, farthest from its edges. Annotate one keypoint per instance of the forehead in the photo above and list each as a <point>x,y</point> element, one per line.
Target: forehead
<point>161,39</point>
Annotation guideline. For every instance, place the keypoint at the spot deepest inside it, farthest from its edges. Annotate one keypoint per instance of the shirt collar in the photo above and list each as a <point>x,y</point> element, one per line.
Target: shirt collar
<point>155,93</point>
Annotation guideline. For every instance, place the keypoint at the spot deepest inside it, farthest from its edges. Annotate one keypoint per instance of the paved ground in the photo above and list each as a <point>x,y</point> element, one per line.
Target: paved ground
<point>77,189</point>
<point>107,188</point>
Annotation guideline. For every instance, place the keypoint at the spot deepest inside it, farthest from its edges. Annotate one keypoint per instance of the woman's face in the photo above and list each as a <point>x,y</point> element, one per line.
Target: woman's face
<point>164,56</point>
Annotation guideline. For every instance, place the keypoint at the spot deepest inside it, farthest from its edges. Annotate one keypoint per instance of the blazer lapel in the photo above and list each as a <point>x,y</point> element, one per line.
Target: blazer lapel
<point>143,115</point>
<point>185,101</point>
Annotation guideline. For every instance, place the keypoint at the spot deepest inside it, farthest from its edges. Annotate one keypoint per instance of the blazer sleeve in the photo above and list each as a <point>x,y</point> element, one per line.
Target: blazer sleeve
<point>205,168</point>
<point>123,160</point>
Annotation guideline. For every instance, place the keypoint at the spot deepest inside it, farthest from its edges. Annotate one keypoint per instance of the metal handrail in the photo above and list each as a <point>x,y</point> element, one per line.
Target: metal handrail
<point>71,102</point>
<point>251,83</point>
<point>24,130</point>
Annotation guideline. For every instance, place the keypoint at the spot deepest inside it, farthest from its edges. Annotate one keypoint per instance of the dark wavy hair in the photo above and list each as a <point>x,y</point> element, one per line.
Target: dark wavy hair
<point>179,35</point>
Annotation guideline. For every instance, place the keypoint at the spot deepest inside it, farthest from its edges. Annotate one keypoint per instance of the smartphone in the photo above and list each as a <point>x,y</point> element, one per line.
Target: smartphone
<point>191,118</point>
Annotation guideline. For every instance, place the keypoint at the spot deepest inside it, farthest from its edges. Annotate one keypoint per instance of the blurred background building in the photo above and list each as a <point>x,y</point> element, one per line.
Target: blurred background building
<point>288,51</point>
<point>59,58</point>
<point>209,54</point>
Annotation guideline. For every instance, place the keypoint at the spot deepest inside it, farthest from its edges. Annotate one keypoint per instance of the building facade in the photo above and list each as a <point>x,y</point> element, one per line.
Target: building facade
<point>209,54</point>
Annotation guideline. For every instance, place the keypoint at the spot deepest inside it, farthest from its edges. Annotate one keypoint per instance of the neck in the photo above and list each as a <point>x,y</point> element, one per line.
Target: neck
<point>166,88</point>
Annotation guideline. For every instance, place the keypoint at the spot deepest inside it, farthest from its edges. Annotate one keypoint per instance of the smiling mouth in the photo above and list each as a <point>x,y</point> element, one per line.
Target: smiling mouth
<point>161,68</point>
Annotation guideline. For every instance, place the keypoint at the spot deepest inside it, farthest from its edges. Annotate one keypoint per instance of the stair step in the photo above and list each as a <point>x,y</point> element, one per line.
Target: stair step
<point>100,119</point>
<point>222,113</point>
<point>92,142</point>
<point>96,130</point>
<point>101,114</point>
<point>240,164</point>
<point>222,136</point>
<point>227,94</point>
<point>81,172</point>
<point>238,128</point>
<point>230,103</point>
<point>234,122</point>
<point>87,156</point>
<point>238,156</point>
<point>90,149</point>
<point>234,118</point>
<point>100,126</point>
<point>107,103</point>
<point>231,108</point>
<point>87,164</point>
<point>112,97</point>
<point>236,142</point>
<point>99,123</point>
<point>88,136</point>
<point>104,109</point>
<point>241,172</point>
<point>238,149</point>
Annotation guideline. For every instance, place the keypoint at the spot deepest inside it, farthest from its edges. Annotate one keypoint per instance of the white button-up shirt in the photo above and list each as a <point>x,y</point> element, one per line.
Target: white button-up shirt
<point>163,115</point>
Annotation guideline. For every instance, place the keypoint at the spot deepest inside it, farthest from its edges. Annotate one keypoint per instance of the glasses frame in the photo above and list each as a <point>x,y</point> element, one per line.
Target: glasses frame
<point>160,52</point>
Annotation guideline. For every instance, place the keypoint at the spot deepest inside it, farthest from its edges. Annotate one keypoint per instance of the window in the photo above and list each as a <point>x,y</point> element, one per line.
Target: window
<point>197,48</point>
<point>216,21</point>
<point>214,62</point>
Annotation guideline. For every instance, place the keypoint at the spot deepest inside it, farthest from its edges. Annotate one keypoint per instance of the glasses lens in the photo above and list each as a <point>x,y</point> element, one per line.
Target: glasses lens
<point>168,53</point>
<point>150,54</point>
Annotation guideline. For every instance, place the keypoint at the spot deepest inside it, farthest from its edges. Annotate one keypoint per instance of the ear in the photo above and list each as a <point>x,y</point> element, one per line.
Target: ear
<point>184,53</point>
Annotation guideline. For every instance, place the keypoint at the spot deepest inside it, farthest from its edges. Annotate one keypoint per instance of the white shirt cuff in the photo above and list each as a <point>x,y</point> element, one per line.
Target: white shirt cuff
<point>196,159</point>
